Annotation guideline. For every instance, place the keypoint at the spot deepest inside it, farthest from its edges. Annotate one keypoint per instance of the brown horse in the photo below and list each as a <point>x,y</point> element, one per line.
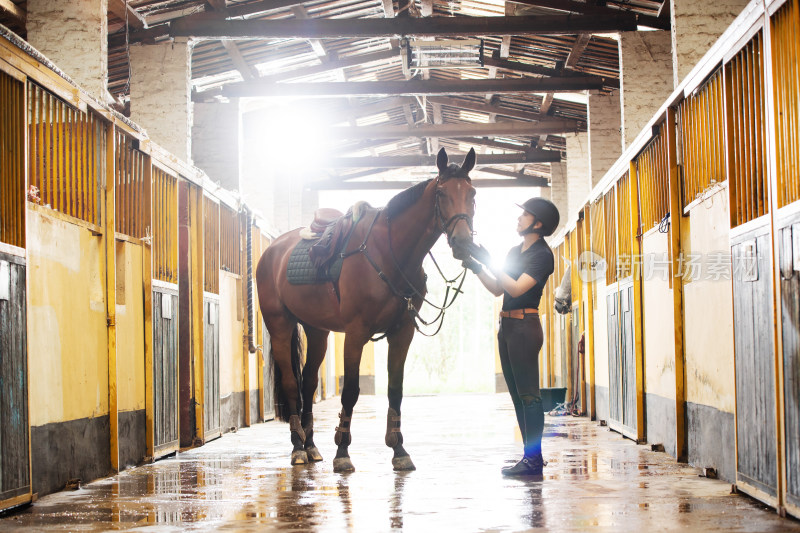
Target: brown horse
<point>381,279</point>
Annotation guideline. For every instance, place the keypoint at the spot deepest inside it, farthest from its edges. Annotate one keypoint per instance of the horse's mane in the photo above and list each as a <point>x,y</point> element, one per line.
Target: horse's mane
<point>405,199</point>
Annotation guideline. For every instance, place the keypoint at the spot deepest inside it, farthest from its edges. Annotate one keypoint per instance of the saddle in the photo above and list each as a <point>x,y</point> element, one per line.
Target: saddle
<point>316,258</point>
<point>335,230</point>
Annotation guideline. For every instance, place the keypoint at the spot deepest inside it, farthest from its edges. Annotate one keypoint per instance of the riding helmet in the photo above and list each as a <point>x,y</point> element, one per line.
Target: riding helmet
<point>545,212</point>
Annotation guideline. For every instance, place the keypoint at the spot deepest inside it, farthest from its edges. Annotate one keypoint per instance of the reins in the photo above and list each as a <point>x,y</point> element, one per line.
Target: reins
<point>407,297</point>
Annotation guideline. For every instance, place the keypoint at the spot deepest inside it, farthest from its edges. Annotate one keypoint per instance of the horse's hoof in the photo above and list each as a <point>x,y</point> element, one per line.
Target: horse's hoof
<point>299,457</point>
<point>343,464</point>
<point>403,463</point>
<point>313,454</point>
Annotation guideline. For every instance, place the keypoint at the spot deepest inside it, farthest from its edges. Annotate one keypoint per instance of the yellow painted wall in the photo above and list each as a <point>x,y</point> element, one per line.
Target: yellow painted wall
<point>231,329</point>
<point>254,370</point>
<point>130,328</point>
<point>600,334</point>
<point>658,319</point>
<point>708,307</point>
<point>67,337</point>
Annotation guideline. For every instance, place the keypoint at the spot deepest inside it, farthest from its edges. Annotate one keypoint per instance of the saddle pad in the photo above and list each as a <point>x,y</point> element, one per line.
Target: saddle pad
<point>300,270</point>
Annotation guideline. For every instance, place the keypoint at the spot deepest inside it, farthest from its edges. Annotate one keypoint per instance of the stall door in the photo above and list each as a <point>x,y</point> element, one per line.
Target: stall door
<point>211,369</point>
<point>628,358</point>
<point>165,371</point>
<point>614,373</point>
<point>269,376</point>
<point>14,459</point>
<point>755,363</point>
<point>622,362</point>
<point>789,254</point>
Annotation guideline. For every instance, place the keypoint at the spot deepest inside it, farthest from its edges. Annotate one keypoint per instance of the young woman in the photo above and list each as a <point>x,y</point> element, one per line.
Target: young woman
<point>520,337</point>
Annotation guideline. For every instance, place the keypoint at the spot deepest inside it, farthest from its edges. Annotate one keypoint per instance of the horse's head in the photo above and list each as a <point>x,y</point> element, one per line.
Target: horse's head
<point>455,202</point>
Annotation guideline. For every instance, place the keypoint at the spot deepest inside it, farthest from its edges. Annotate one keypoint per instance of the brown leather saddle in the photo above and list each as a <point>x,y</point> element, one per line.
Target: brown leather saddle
<point>335,229</point>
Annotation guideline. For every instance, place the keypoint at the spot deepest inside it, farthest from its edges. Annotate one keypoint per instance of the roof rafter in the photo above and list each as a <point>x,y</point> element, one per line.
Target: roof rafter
<point>554,126</point>
<point>405,26</point>
<point>402,161</point>
<point>415,87</point>
<point>397,185</point>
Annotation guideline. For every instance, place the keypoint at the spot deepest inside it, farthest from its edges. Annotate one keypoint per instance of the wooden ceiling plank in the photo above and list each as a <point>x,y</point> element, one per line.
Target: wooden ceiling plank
<point>406,26</point>
<point>119,8</point>
<point>414,87</point>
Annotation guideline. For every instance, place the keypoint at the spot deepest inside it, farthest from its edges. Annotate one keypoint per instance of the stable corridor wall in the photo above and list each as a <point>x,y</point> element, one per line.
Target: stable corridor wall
<point>67,351</point>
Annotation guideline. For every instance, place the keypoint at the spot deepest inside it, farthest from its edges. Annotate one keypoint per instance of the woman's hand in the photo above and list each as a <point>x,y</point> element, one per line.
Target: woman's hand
<point>473,265</point>
<point>480,253</point>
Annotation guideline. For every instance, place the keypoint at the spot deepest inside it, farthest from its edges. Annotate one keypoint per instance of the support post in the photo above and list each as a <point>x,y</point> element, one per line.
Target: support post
<point>147,289</point>
<point>636,270</point>
<point>589,334</point>
<point>675,246</point>
<point>111,294</point>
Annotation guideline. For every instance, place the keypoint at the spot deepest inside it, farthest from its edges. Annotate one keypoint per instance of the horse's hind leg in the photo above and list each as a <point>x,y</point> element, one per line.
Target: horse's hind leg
<point>399,342</point>
<point>354,341</point>
<point>282,331</point>
<point>315,353</point>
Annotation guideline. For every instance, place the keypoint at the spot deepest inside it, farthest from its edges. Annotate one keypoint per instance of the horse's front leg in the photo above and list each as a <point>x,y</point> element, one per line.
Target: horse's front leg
<point>399,342</point>
<point>315,353</point>
<point>354,341</point>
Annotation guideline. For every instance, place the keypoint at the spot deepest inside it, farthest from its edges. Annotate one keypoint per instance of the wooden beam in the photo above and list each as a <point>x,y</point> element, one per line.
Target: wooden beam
<point>542,156</point>
<point>248,72</point>
<point>540,181</point>
<point>586,8</point>
<point>471,105</point>
<point>318,46</point>
<point>452,130</point>
<point>401,161</point>
<point>407,26</point>
<point>581,42</point>
<point>307,71</point>
<point>399,185</point>
<point>516,66</point>
<point>119,8</point>
<point>414,87</point>
<point>547,101</point>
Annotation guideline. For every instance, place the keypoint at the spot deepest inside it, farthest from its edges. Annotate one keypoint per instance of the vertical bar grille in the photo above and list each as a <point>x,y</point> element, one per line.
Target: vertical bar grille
<point>12,161</point>
<point>701,122</point>
<point>131,210</point>
<point>210,245</point>
<point>747,156</point>
<point>786,83</point>
<point>230,241</point>
<point>652,170</point>
<point>165,226</point>
<point>610,222</point>
<point>64,155</point>
<point>598,228</point>
<point>624,227</point>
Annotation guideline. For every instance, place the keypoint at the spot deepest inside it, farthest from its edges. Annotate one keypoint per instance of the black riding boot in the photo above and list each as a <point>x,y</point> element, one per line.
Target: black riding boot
<point>532,429</point>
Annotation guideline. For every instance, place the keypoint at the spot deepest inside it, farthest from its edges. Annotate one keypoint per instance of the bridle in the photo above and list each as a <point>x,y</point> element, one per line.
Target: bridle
<point>445,226</point>
<point>408,295</point>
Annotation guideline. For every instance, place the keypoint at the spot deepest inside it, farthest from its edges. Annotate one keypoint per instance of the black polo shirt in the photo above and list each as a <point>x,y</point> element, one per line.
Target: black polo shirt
<point>538,262</point>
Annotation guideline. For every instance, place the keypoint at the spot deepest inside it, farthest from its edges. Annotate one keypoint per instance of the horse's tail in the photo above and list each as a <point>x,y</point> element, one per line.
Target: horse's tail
<point>282,406</point>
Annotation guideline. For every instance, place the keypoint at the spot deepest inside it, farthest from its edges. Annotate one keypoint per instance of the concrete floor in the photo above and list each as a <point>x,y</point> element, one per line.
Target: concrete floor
<point>595,480</point>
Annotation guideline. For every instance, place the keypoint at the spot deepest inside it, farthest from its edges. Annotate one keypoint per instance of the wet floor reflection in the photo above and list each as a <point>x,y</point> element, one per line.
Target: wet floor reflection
<point>242,482</point>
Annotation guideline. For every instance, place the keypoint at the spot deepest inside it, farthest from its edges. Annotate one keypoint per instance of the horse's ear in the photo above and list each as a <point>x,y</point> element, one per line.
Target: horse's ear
<point>469,161</point>
<point>441,160</point>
